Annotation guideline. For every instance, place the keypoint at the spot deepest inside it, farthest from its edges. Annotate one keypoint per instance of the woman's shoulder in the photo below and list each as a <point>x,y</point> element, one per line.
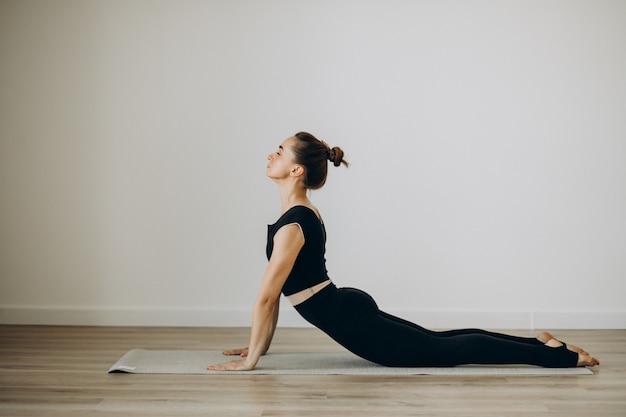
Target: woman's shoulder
<point>304,209</point>
<point>298,214</point>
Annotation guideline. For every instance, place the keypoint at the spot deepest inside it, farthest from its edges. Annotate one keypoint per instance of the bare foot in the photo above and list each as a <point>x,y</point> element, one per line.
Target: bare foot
<point>545,338</point>
<point>584,359</point>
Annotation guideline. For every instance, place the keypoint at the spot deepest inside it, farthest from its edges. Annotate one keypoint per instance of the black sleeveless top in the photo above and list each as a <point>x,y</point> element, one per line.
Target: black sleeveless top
<point>310,266</point>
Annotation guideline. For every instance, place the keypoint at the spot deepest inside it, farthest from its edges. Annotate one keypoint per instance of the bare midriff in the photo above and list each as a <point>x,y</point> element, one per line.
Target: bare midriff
<point>302,296</point>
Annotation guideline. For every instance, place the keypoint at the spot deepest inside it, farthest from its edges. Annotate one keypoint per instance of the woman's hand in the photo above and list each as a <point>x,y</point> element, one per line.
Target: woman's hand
<point>238,365</point>
<point>243,352</point>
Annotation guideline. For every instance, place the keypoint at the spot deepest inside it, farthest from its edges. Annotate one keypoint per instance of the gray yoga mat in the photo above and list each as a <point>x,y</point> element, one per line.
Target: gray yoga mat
<point>140,361</point>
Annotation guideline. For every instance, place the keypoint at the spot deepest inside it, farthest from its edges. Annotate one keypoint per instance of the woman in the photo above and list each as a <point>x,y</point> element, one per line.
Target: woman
<point>296,267</point>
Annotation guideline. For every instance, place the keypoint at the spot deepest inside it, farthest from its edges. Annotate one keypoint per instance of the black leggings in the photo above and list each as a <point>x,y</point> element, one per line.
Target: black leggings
<point>352,318</point>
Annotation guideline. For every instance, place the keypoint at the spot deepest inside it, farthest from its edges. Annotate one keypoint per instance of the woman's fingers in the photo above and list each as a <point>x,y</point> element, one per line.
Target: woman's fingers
<point>239,365</point>
<point>239,352</point>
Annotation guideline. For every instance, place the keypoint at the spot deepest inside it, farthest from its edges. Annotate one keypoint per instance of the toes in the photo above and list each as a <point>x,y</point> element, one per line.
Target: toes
<point>586,360</point>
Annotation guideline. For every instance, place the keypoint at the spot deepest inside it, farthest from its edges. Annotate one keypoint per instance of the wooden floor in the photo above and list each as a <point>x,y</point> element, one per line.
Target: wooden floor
<point>62,371</point>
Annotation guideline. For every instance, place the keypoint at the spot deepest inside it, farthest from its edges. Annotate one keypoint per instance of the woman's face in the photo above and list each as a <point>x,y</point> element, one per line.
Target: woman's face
<point>281,163</point>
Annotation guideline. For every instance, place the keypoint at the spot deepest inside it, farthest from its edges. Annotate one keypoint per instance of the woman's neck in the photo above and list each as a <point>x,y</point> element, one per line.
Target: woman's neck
<point>292,196</point>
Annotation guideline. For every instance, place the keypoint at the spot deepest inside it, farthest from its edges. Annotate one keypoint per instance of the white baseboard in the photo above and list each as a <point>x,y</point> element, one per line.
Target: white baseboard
<point>207,317</point>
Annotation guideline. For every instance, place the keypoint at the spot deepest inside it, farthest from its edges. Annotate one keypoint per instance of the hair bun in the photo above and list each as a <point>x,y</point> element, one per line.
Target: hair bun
<point>335,155</point>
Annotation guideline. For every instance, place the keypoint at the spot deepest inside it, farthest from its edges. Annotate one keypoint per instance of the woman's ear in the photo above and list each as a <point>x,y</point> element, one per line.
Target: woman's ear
<point>297,171</point>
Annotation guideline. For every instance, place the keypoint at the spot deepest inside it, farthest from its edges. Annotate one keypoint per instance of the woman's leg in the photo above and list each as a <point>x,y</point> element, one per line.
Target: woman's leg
<point>362,328</point>
<point>544,338</point>
<point>408,345</point>
<point>353,319</point>
<point>459,332</point>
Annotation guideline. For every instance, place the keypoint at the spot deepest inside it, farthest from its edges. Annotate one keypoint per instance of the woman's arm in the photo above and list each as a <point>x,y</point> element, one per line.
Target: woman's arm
<point>244,352</point>
<point>287,244</point>
<point>273,325</point>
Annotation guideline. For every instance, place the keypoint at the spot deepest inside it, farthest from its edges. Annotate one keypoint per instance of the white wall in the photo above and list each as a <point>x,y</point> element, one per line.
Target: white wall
<point>487,141</point>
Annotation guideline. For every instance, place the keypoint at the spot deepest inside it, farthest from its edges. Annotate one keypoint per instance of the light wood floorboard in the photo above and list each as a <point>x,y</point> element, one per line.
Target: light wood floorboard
<point>62,371</point>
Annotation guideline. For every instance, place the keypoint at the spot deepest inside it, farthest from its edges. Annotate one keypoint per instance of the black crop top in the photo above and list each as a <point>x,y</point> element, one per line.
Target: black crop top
<point>310,266</point>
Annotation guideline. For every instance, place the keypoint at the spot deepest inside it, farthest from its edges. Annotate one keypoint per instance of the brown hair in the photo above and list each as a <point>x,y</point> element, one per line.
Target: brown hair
<point>314,154</point>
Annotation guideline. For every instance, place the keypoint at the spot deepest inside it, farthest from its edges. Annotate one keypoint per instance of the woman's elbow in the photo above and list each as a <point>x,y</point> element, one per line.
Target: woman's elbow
<point>266,302</point>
